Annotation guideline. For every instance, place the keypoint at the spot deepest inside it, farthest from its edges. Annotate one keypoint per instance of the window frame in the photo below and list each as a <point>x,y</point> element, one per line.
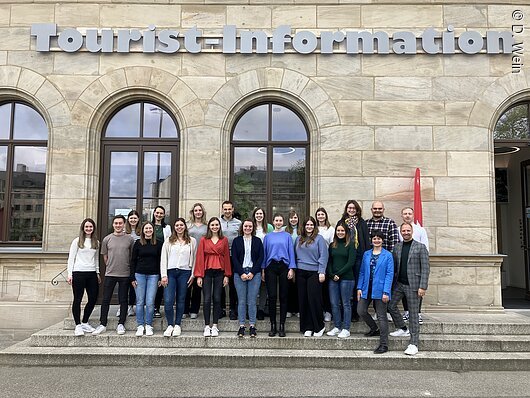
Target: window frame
<point>140,145</point>
<point>11,143</point>
<point>270,144</point>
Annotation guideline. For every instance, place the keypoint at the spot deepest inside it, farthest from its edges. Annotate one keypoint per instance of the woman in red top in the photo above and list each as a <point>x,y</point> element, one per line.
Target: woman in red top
<point>212,269</point>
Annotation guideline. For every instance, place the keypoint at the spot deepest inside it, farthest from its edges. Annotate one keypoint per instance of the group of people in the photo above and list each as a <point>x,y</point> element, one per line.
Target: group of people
<point>312,269</point>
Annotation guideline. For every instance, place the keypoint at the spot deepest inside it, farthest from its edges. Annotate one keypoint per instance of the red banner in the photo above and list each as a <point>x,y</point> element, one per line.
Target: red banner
<point>418,210</point>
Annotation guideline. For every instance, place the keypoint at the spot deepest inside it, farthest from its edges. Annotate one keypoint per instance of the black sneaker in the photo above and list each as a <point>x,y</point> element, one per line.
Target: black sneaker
<point>157,314</point>
<point>381,349</point>
<point>253,332</point>
<point>261,315</point>
<point>241,332</point>
<point>372,333</point>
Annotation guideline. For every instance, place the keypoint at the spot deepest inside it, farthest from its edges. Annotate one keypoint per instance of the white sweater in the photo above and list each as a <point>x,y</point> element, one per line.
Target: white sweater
<point>85,259</point>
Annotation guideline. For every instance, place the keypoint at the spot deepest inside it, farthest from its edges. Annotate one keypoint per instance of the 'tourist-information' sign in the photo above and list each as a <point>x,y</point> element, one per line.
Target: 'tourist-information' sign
<point>282,40</point>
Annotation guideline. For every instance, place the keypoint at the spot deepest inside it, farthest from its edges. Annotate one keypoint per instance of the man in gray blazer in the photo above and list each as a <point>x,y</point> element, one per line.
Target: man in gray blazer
<point>411,278</point>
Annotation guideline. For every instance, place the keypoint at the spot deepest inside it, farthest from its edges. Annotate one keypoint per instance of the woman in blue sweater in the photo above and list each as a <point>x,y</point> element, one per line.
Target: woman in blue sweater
<point>311,262</point>
<point>277,269</point>
<point>375,283</point>
<point>247,257</point>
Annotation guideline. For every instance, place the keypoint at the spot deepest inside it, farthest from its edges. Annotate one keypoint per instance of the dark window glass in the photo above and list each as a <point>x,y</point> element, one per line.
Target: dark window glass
<point>24,135</point>
<point>269,164</point>
<point>140,163</point>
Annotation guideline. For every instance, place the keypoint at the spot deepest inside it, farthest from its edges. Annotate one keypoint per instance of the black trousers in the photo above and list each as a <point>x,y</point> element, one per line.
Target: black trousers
<point>292,296</point>
<point>310,300</point>
<point>132,295</point>
<point>108,289</point>
<point>158,298</point>
<point>276,276</point>
<point>81,282</point>
<point>193,299</point>
<point>212,285</point>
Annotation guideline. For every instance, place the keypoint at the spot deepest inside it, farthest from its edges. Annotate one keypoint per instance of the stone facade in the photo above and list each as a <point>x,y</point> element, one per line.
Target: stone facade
<point>372,120</point>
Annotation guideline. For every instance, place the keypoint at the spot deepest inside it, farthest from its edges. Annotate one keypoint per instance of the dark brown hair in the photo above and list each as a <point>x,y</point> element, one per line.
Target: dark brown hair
<point>94,243</point>
<point>253,226</point>
<point>209,233</point>
<point>143,241</point>
<point>335,242</point>
<point>304,237</point>
<point>185,235</point>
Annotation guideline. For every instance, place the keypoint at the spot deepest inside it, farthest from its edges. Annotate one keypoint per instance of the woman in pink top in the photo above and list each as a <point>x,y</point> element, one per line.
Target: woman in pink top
<point>212,270</point>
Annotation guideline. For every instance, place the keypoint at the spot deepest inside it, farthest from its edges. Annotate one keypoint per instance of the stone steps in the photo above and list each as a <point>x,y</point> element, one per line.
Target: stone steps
<point>457,342</point>
<point>22,354</point>
<point>55,336</point>
<point>430,325</point>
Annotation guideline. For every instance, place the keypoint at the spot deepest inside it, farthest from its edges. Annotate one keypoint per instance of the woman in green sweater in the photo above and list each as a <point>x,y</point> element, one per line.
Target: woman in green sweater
<point>341,280</point>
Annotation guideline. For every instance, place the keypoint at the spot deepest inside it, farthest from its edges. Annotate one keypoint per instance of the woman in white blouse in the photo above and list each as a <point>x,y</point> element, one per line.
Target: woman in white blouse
<point>83,274</point>
<point>176,268</point>
<point>326,230</point>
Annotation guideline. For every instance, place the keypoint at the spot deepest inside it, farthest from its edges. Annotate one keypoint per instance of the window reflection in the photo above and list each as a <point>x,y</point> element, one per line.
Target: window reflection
<point>27,194</point>
<point>123,174</point>
<point>286,125</point>
<point>283,187</point>
<point>158,123</point>
<point>157,174</point>
<point>125,123</point>
<point>28,124</point>
<point>253,125</point>
<point>250,178</point>
<point>5,121</point>
<point>513,124</point>
<point>117,207</point>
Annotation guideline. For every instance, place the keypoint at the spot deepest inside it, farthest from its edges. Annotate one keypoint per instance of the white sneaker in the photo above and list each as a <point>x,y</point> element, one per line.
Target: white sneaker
<point>193,316</point>
<point>343,334</point>
<point>405,315</point>
<point>118,313</point>
<point>400,333</point>
<point>327,317</point>
<point>120,329</point>
<point>148,330</point>
<point>140,331</point>
<point>215,331</point>
<point>389,317</point>
<point>87,328</point>
<point>168,331</point>
<point>177,331</point>
<point>296,314</point>
<point>100,329</point>
<point>420,320</point>
<point>207,331</point>
<point>130,311</point>
<point>411,350</point>
<point>333,332</point>
<point>78,331</point>
<point>319,334</point>
<point>184,316</point>
<point>308,333</point>
<point>289,314</point>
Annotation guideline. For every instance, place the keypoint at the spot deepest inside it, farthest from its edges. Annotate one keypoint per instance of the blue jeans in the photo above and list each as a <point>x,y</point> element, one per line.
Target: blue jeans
<point>177,285</point>
<point>145,295</point>
<point>247,295</point>
<point>341,291</point>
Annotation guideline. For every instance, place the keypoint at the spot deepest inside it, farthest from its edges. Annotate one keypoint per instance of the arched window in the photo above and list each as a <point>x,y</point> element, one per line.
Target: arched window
<point>514,124</point>
<point>23,149</point>
<point>270,158</point>
<point>139,162</point>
